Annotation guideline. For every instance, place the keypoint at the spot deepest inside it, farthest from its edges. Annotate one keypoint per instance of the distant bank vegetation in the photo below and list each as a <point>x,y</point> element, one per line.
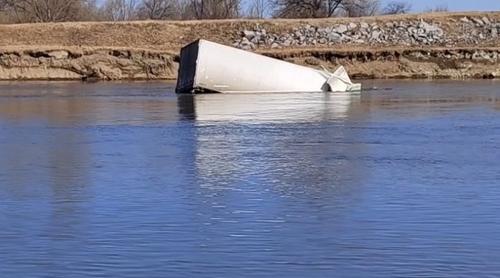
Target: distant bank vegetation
<point>29,11</point>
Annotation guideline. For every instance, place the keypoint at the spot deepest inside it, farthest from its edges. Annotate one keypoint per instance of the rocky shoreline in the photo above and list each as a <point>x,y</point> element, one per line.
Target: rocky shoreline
<point>474,30</point>
<point>452,46</point>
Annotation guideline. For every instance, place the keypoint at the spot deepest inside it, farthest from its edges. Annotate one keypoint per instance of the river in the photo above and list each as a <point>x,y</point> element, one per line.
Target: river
<point>129,180</point>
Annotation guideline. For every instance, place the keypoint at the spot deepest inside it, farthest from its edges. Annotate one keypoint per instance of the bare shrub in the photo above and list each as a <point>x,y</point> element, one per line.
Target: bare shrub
<point>397,7</point>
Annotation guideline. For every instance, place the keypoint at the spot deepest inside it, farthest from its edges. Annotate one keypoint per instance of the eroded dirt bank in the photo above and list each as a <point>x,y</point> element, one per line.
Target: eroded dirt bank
<point>84,64</point>
<point>436,47</point>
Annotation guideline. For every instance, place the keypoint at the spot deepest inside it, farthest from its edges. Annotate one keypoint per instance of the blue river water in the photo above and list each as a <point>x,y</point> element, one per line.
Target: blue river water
<point>130,180</point>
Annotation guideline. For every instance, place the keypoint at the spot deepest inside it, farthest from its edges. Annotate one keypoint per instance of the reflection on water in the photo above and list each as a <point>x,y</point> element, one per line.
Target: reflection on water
<point>261,108</point>
<point>74,103</point>
<point>238,152</point>
<point>129,180</point>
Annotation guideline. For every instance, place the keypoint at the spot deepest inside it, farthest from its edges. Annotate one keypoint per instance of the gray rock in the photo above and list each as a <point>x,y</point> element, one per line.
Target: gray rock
<point>58,54</point>
<point>364,25</point>
<point>249,34</point>
<point>375,35</point>
<point>465,20</point>
<point>346,38</point>
<point>494,33</point>
<point>334,37</point>
<point>352,26</point>
<point>255,39</point>
<point>478,21</point>
<point>426,26</point>
<point>248,46</point>
<point>341,29</point>
<point>486,20</point>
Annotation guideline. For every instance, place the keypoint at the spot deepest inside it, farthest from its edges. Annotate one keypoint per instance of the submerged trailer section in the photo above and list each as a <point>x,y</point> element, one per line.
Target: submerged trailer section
<point>208,67</point>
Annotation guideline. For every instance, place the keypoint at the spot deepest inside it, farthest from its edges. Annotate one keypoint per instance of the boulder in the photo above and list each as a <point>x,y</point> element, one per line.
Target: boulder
<point>246,44</point>
<point>375,35</point>
<point>58,54</point>
<point>428,28</point>
<point>255,39</point>
<point>248,34</point>
<point>478,21</point>
<point>334,37</point>
<point>341,29</point>
<point>250,46</point>
<point>465,20</point>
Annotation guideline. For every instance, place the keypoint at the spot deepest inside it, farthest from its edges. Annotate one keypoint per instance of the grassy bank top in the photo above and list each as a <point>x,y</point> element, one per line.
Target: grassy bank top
<point>171,35</point>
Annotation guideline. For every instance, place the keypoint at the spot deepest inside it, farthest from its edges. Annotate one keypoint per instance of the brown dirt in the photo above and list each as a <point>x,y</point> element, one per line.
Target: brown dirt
<point>151,47</point>
<point>172,35</point>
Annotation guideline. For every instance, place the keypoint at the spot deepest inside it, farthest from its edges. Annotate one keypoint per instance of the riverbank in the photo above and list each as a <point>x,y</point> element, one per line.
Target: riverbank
<point>442,45</point>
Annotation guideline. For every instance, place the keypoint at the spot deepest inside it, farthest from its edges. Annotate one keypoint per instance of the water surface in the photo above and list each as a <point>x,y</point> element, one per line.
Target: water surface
<point>129,180</point>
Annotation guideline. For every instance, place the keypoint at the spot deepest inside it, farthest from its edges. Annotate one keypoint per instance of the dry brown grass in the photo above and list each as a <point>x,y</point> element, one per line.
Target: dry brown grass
<point>169,36</point>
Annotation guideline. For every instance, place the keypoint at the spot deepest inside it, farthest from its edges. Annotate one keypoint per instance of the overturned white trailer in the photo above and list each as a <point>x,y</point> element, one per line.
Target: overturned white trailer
<point>208,67</point>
